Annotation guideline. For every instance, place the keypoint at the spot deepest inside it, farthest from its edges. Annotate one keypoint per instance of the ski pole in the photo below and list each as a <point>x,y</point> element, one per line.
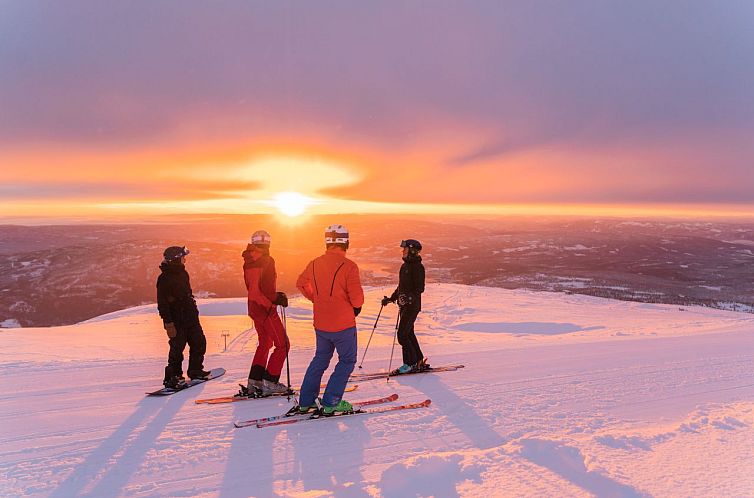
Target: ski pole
<point>370,336</point>
<point>390,365</point>
<point>287,348</point>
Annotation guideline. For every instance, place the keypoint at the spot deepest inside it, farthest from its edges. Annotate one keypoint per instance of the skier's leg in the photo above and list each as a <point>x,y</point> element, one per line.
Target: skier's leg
<point>264,335</point>
<point>277,358</point>
<point>256,372</point>
<point>197,348</point>
<point>175,355</point>
<point>402,336</point>
<point>317,367</point>
<point>346,345</point>
<point>415,348</point>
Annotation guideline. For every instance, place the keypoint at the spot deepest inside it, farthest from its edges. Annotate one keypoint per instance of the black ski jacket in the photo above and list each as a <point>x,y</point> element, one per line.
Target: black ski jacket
<point>408,294</point>
<point>175,301</point>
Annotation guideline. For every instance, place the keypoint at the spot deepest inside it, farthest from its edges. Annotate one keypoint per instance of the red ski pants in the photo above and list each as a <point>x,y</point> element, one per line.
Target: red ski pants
<point>271,333</point>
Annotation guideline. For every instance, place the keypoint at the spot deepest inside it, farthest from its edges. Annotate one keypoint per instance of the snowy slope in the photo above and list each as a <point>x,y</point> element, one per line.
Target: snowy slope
<point>562,396</point>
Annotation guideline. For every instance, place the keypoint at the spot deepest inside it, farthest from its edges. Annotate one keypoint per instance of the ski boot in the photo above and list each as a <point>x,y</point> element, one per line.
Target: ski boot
<point>422,366</point>
<point>303,410</point>
<point>199,374</point>
<point>270,388</point>
<point>175,382</point>
<point>249,390</point>
<point>254,386</point>
<point>343,406</point>
<point>403,369</point>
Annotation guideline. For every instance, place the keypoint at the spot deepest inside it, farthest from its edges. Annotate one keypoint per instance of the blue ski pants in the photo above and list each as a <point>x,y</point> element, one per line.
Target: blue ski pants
<point>344,342</point>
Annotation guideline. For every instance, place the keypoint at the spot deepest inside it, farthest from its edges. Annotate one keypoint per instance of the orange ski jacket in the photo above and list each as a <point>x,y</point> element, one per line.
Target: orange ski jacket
<point>332,283</point>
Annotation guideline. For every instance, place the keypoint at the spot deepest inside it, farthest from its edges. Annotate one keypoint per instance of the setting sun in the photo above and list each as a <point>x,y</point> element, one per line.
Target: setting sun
<point>292,203</point>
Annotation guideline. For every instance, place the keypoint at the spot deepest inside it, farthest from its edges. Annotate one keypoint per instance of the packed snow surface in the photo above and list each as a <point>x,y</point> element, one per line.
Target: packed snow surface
<point>562,395</point>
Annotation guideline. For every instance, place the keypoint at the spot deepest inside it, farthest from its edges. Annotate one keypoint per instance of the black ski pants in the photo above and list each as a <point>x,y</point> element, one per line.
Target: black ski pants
<point>193,335</point>
<point>412,353</point>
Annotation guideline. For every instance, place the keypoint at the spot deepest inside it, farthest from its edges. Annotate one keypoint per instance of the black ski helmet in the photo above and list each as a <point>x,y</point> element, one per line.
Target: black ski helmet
<point>414,246</point>
<point>174,253</point>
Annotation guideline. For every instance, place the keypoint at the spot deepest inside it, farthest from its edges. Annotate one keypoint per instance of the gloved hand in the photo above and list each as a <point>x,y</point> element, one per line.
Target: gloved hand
<point>386,300</point>
<point>171,330</point>
<point>405,300</point>
<point>281,300</point>
<point>356,311</point>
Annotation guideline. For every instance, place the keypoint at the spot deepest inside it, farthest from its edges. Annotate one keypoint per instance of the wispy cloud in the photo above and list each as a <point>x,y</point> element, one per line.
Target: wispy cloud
<point>440,102</point>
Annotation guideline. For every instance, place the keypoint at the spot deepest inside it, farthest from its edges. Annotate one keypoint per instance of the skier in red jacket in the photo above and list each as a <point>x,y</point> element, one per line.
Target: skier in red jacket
<point>260,277</point>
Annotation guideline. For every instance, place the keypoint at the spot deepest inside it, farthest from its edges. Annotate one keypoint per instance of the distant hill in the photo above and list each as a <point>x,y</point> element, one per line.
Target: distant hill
<point>54,275</point>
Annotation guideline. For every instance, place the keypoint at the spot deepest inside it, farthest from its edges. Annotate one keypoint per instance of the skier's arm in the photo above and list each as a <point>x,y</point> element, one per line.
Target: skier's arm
<point>163,301</point>
<point>268,280</point>
<point>419,279</point>
<point>246,278</point>
<point>353,286</point>
<point>394,295</point>
<point>304,283</point>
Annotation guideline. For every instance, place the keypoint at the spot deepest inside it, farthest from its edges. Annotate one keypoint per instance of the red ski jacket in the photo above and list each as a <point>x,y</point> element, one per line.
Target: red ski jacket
<point>332,283</point>
<point>260,278</point>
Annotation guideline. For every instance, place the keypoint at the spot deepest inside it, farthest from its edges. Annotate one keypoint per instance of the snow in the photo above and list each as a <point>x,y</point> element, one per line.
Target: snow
<point>577,247</point>
<point>569,282</point>
<point>634,224</point>
<point>741,242</point>
<point>562,395</point>
<point>522,328</point>
<point>520,248</point>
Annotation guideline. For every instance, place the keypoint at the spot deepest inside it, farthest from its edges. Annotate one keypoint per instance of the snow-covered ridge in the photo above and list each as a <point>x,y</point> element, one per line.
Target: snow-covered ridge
<point>207,307</point>
<point>562,395</point>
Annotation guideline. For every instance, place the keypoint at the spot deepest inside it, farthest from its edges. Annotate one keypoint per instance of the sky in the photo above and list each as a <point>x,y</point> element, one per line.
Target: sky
<point>137,108</point>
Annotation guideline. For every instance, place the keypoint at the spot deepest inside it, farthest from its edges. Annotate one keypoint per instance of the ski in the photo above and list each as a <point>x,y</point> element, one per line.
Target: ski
<point>240,397</point>
<point>359,411</point>
<point>294,415</point>
<point>382,375</point>
<point>167,391</point>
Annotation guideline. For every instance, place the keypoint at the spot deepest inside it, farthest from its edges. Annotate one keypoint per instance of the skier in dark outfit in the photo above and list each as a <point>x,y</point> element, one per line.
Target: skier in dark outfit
<point>180,316</point>
<point>408,296</point>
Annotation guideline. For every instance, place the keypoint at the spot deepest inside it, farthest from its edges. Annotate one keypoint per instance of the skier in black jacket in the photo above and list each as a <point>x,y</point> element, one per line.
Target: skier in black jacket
<point>180,316</point>
<point>409,299</point>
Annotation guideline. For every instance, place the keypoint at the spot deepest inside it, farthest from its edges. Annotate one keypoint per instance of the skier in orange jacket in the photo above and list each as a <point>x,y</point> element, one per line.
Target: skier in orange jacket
<point>332,283</point>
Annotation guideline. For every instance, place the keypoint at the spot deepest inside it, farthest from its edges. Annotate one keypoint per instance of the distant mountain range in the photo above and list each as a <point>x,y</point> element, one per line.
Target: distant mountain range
<point>55,275</point>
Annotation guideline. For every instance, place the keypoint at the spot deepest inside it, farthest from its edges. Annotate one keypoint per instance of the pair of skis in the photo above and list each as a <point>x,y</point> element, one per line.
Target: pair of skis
<point>292,416</point>
<point>355,377</point>
<point>254,395</point>
<point>362,377</point>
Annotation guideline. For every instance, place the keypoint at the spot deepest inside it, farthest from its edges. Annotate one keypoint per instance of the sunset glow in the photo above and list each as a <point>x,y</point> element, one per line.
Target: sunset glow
<point>292,204</point>
<point>350,123</point>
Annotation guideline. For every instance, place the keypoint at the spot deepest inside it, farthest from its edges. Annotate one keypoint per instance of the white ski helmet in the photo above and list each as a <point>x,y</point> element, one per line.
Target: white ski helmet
<point>261,238</point>
<point>336,234</point>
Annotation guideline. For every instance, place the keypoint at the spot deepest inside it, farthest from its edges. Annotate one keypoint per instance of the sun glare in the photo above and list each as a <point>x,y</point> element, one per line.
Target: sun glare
<point>292,203</point>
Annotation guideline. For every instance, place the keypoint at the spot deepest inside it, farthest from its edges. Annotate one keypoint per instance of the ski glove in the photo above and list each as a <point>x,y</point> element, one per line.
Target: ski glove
<point>281,300</point>
<point>386,300</point>
<point>170,329</point>
<point>356,311</point>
